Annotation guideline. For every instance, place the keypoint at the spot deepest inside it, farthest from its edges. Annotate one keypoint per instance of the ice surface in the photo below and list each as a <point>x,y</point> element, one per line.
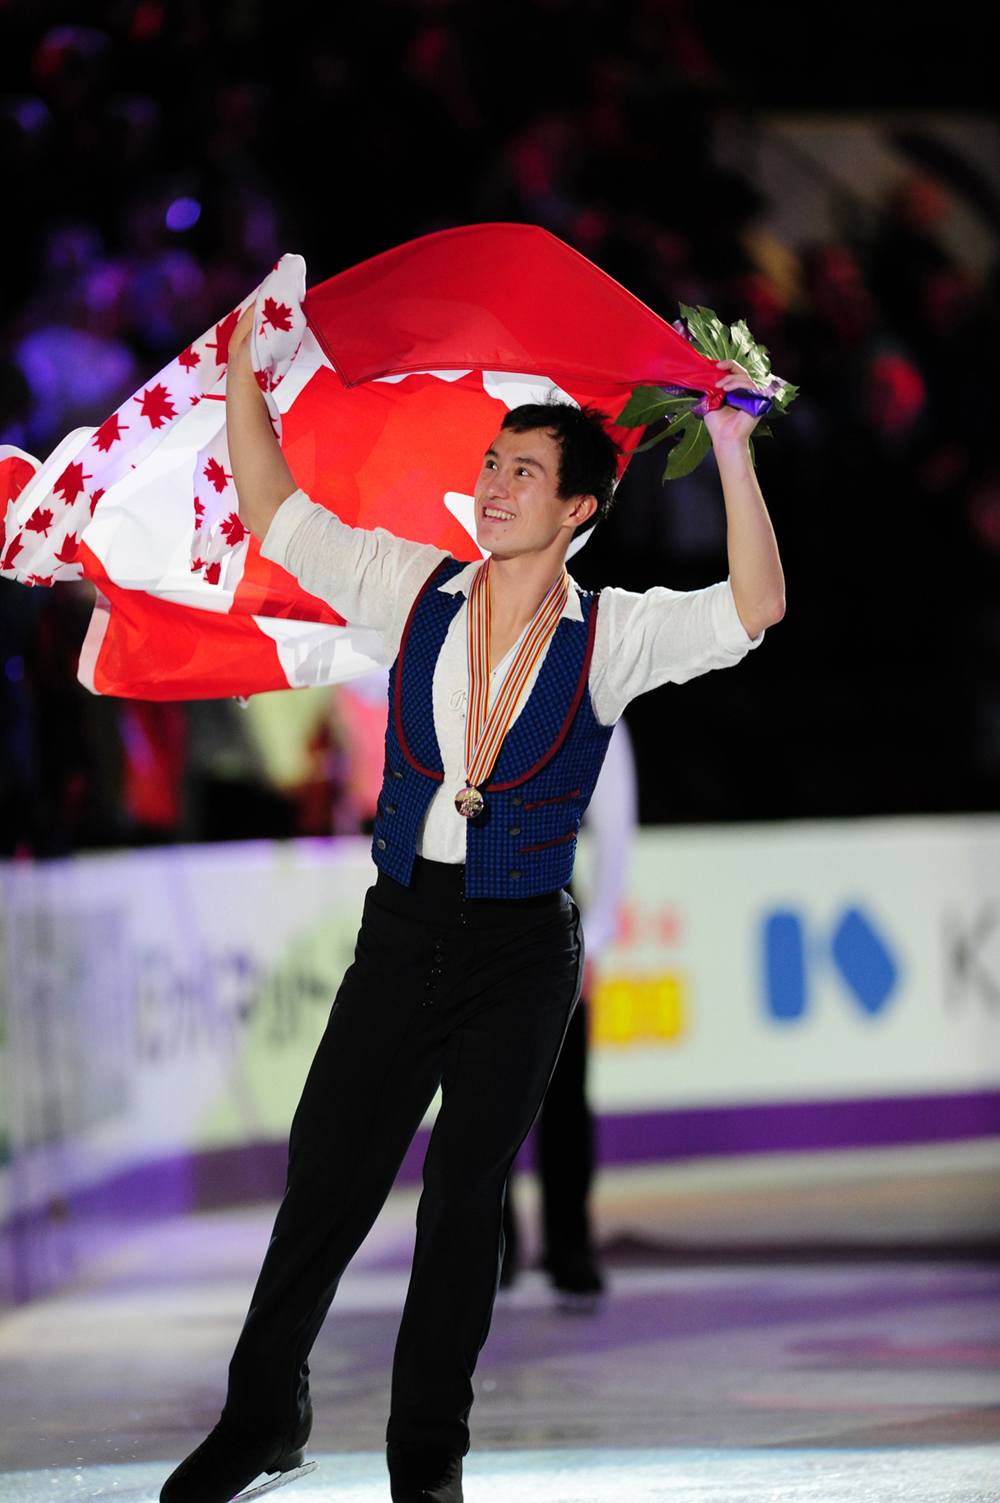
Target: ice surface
<point>925,1474</point>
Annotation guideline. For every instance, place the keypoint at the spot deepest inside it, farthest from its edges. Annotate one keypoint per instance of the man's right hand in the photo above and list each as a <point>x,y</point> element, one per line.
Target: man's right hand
<point>261,474</point>
<point>240,337</point>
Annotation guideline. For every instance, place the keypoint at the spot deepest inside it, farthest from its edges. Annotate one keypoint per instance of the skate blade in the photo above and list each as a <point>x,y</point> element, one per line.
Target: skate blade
<point>279,1481</point>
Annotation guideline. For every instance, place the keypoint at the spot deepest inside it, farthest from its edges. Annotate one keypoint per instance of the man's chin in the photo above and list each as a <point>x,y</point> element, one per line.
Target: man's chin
<point>493,541</point>
<point>501,548</point>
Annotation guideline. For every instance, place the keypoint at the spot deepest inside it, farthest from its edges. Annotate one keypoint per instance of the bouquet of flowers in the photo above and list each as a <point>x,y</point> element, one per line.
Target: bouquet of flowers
<point>685,410</point>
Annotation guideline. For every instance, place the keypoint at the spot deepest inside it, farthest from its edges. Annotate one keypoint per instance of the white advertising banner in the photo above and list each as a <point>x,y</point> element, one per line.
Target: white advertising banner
<point>803,962</point>
<point>166,1002</point>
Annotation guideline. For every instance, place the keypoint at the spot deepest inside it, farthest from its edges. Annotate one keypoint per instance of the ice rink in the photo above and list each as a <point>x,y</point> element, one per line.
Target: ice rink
<point>939,1474</point>
<point>757,1364</point>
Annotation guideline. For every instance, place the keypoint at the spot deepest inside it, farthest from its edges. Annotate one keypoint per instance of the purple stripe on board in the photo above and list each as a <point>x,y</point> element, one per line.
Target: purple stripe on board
<point>255,1172</point>
<point>782,1127</point>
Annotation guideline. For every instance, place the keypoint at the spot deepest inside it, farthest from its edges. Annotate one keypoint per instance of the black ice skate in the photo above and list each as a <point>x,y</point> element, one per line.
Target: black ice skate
<point>424,1474</point>
<point>280,1480</point>
<point>226,1462</point>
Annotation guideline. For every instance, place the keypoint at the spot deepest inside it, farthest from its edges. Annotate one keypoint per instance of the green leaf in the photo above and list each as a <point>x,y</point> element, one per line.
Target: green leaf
<point>695,442</point>
<point>710,335</point>
<point>676,406</point>
<point>741,334</point>
<point>750,354</point>
<point>644,406</point>
<point>674,426</point>
<point>648,404</point>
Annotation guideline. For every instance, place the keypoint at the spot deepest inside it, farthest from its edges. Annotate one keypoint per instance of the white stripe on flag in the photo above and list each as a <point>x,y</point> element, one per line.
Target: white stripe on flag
<point>312,653</point>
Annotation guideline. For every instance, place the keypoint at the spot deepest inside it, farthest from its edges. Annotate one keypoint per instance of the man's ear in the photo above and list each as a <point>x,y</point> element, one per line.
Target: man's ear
<point>582,508</point>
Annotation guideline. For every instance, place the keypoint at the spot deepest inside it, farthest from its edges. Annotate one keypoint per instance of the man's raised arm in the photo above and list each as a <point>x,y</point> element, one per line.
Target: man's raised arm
<point>369,577</point>
<point>261,474</point>
<point>755,573</point>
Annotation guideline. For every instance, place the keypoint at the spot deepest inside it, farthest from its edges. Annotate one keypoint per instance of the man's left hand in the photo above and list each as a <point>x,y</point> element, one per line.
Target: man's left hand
<point>726,424</point>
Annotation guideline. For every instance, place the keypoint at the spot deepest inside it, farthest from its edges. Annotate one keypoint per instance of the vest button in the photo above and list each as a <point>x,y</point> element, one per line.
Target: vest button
<point>380,844</point>
<point>517,800</point>
<point>390,808</point>
<point>515,829</point>
<point>514,876</point>
<point>396,774</point>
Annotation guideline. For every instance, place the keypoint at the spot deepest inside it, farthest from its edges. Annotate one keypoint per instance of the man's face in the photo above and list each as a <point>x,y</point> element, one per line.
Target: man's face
<point>518,508</point>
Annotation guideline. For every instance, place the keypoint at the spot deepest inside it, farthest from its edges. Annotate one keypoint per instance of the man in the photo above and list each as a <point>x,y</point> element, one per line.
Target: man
<point>505,687</point>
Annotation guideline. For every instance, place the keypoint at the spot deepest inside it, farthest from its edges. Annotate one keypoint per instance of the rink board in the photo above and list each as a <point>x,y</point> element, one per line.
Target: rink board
<point>771,988</point>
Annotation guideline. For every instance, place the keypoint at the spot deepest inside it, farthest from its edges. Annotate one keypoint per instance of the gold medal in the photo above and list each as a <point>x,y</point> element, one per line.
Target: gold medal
<point>470,803</point>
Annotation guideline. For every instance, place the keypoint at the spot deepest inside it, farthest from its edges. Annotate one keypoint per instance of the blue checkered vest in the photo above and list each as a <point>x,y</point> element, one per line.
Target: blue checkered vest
<point>524,842</point>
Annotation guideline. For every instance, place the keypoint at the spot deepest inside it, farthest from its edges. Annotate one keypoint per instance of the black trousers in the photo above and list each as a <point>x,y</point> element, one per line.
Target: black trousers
<point>474,996</point>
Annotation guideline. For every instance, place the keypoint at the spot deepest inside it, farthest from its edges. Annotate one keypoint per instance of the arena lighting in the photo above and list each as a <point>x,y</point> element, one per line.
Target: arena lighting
<point>183,214</point>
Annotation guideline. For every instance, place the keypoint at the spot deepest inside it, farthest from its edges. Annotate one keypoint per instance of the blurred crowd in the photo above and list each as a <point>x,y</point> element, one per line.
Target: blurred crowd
<point>158,155</point>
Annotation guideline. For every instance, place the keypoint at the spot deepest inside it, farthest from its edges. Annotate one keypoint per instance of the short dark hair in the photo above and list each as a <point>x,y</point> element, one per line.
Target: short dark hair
<point>588,455</point>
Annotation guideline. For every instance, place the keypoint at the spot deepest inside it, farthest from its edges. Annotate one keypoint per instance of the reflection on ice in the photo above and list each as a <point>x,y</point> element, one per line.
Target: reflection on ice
<point>931,1474</point>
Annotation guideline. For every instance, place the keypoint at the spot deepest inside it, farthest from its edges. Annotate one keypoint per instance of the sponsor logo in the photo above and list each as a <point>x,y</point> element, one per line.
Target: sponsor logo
<point>626,1010</point>
<point>861,957</point>
<point>972,958</point>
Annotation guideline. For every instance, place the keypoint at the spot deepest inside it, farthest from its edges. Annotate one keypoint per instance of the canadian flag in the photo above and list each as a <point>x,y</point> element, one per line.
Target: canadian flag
<point>385,385</point>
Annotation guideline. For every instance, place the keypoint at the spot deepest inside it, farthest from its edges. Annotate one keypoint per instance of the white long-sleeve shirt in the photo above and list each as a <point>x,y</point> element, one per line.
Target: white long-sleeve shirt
<point>372,579</point>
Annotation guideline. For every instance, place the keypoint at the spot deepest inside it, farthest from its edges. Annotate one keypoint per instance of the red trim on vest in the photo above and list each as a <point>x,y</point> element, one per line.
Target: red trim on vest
<point>564,728</point>
<point>543,803</point>
<point>548,845</point>
<point>397,699</point>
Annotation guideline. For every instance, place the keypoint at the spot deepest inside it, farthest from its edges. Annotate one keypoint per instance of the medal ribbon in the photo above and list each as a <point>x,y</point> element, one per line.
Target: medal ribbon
<point>484,733</point>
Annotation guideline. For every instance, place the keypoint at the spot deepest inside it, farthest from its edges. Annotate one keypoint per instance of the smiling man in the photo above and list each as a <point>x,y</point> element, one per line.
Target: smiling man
<point>506,684</point>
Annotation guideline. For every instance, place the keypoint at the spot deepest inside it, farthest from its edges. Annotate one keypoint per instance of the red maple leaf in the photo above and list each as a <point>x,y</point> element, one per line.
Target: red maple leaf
<point>70,545</point>
<point>278,315</point>
<point>40,579</point>
<point>39,521</point>
<point>157,405</point>
<point>223,334</point>
<point>189,358</point>
<point>233,529</point>
<point>263,380</point>
<point>109,432</point>
<point>70,482</point>
<point>196,564</point>
<point>95,496</point>
<point>15,547</point>
<point>199,509</point>
<point>212,573</point>
<point>215,474</point>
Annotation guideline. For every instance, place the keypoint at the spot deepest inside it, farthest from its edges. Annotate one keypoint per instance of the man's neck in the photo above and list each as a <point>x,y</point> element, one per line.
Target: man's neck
<point>517,588</point>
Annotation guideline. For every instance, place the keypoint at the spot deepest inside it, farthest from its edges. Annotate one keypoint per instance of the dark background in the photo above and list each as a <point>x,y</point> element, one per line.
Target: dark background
<point>340,131</point>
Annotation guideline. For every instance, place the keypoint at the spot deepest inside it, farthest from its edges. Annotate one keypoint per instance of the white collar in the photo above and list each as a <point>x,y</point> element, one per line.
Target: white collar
<point>462,582</point>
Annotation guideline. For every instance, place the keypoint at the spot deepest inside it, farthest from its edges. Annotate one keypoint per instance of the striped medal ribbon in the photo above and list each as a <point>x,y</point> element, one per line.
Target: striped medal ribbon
<point>484,732</point>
